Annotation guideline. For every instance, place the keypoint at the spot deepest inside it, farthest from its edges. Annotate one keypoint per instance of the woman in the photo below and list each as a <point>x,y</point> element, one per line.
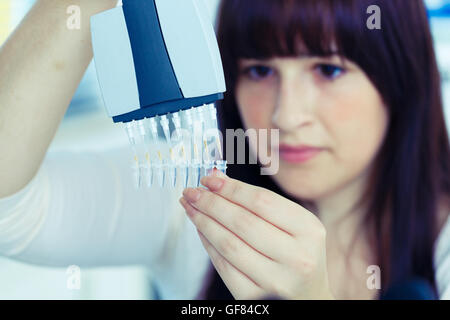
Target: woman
<point>370,101</point>
<point>371,188</point>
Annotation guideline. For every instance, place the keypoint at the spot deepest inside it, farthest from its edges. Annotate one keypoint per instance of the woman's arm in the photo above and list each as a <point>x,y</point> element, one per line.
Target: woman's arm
<point>80,208</point>
<point>41,66</point>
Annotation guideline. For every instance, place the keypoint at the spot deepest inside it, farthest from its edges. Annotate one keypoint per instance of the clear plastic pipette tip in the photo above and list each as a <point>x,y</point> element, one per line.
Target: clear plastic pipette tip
<point>153,127</point>
<point>136,173</point>
<point>129,128</point>
<point>176,120</point>
<point>165,125</point>
<point>148,170</point>
<point>141,127</point>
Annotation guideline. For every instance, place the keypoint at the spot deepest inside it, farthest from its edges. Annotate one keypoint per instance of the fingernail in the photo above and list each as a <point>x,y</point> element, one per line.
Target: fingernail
<point>213,183</point>
<point>191,195</point>
<point>218,173</point>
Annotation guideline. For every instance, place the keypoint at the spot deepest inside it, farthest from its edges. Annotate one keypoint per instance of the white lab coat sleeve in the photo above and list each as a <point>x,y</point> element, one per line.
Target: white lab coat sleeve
<point>183,272</point>
<point>81,209</point>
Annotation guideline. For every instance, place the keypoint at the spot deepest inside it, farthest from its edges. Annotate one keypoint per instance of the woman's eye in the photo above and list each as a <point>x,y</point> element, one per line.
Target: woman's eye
<point>329,71</point>
<point>258,72</point>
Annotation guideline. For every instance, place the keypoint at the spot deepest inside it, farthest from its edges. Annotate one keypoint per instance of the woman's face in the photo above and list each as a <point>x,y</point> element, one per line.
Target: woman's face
<point>328,104</point>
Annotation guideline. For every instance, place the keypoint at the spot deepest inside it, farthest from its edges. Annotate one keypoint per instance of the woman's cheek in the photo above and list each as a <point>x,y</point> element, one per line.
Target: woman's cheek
<point>255,104</point>
<point>357,123</point>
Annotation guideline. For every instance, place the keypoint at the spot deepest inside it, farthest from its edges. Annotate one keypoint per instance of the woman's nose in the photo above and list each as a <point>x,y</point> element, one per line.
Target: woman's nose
<point>294,107</point>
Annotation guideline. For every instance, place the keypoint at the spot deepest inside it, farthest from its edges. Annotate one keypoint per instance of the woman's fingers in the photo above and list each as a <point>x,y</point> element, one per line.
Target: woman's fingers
<point>238,283</point>
<point>244,258</point>
<point>256,232</point>
<point>270,206</point>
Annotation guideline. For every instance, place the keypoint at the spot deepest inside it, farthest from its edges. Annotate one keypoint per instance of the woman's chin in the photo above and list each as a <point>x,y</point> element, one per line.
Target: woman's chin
<point>302,189</point>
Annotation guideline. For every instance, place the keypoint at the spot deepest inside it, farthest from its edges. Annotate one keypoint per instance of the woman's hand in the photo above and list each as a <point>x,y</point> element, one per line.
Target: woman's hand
<point>260,243</point>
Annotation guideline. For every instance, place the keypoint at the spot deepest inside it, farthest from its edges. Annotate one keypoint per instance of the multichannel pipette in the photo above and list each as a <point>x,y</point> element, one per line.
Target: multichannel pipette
<point>160,72</point>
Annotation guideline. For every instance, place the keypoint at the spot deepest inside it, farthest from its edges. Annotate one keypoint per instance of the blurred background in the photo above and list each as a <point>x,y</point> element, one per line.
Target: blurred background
<point>87,127</point>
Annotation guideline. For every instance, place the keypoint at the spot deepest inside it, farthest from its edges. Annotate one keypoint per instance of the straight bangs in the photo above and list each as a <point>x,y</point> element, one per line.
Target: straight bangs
<point>265,29</point>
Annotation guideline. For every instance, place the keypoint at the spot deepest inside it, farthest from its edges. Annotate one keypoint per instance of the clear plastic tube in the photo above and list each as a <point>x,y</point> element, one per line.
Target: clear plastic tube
<point>189,149</point>
<point>221,165</point>
<point>183,174</point>
<point>158,170</point>
<point>195,174</point>
<point>208,167</point>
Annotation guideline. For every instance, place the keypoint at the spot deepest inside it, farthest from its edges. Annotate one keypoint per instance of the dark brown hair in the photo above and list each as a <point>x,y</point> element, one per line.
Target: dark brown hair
<point>412,168</point>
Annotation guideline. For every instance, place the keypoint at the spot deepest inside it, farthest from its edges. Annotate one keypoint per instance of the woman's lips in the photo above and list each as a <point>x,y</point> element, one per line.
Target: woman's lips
<point>298,154</point>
